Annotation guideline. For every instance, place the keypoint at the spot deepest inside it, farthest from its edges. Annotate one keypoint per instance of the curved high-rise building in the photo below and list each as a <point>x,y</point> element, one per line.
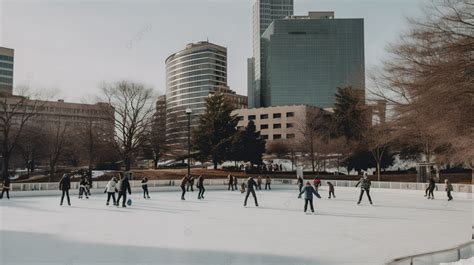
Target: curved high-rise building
<point>191,75</point>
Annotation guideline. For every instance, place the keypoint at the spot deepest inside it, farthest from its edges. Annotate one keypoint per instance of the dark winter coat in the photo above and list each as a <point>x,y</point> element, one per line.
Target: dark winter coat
<point>432,184</point>
<point>300,181</point>
<point>184,181</point>
<point>6,183</point>
<point>200,182</point>
<point>331,187</point>
<point>365,183</point>
<point>251,184</point>
<point>144,183</point>
<point>125,187</point>
<point>65,183</point>
<point>308,191</point>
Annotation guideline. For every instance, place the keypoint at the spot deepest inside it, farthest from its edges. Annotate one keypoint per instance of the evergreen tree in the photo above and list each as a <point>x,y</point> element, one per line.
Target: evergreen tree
<point>349,118</point>
<point>248,145</point>
<point>217,127</point>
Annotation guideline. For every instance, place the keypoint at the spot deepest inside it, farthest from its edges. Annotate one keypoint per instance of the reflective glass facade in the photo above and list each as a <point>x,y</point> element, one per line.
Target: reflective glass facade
<point>191,75</point>
<point>305,60</point>
<point>6,70</point>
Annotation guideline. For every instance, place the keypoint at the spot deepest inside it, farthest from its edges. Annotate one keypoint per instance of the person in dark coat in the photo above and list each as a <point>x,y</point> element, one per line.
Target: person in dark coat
<point>364,187</point>
<point>259,183</point>
<point>236,181</point>
<point>64,186</point>
<point>308,192</point>
<point>449,189</point>
<point>190,184</point>
<point>431,186</point>
<point>124,187</point>
<point>331,190</point>
<point>200,185</point>
<point>231,182</point>
<point>184,181</point>
<point>146,195</point>
<point>251,186</point>
<point>83,188</point>
<point>6,188</point>
<point>268,181</point>
<point>299,181</point>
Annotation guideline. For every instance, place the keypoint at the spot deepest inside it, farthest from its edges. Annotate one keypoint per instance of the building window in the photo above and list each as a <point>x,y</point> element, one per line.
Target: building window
<point>263,126</point>
<point>276,136</point>
<point>289,125</point>
<point>265,136</point>
<point>251,117</point>
<point>276,115</point>
<point>290,136</point>
<point>276,126</point>
<point>290,114</point>
<point>241,118</point>
<point>264,116</point>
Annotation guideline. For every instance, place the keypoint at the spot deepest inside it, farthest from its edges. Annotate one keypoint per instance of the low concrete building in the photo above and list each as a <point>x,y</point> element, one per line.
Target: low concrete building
<point>279,122</point>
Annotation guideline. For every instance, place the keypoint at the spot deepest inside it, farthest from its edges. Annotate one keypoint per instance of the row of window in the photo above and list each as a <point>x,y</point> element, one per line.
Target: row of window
<point>195,84</point>
<point>6,58</point>
<point>275,126</point>
<point>197,66</point>
<point>6,80</point>
<point>265,116</point>
<point>6,65</point>
<point>279,136</point>
<point>5,72</point>
<point>195,73</point>
<point>197,78</point>
<point>176,62</point>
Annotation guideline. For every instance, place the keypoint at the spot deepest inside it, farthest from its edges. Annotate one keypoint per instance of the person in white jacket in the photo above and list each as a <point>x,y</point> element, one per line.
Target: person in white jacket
<point>111,189</point>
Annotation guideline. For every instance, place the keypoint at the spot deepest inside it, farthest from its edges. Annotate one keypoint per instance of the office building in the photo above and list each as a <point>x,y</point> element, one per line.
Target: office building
<point>6,71</point>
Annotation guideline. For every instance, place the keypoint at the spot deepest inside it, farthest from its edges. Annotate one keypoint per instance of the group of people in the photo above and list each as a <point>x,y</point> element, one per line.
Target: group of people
<point>429,192</point>
<point>187,183</point>
<point>244,185</point>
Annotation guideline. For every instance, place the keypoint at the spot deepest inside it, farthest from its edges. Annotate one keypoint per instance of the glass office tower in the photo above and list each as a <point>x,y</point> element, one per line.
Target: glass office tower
<point>264,12</point>
<point>6,71</point>
<point>307,57</point>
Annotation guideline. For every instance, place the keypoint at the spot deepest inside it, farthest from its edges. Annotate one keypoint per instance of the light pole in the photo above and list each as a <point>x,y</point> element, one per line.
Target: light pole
<point>188,112</point>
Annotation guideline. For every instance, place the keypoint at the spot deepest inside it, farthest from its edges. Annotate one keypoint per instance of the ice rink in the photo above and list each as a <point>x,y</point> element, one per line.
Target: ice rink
<point>219,230</point>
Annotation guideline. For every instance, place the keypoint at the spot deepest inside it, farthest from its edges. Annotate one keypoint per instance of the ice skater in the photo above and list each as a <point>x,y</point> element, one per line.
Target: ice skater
<point>64,186</point>
<point>190,184</point>
<point>83,188</point>
<point>251,186</point>
<point>236,182</point>
<point>317,183</point>
<point>124,187</point>
<point>242,187</point>
<point>146,195</point>
<point>299,181</point>
<point>430,189</point>
<point>184,181</point>
<point>364,187</point>
<point>259,183</point>
<point>308,192</point>
<point>268,181</point>
<point>231,182</point>
<point>449,189</point>
<point>200,186</point>
<point>6,187</point>
<point>331,190</point>
<point>111,189</point>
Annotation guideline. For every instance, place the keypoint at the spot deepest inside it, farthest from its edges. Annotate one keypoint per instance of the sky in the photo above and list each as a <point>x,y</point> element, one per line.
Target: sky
<point>72,47</point>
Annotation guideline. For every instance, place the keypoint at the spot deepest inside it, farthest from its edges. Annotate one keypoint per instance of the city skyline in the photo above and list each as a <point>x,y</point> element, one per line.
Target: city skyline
<point>132,40</point>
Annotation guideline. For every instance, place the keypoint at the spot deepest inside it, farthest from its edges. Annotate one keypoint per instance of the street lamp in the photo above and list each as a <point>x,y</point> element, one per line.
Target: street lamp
<point>188,112</point>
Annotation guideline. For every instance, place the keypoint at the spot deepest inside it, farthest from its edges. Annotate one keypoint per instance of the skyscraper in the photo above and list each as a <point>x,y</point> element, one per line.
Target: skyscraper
<point>6,71</point>
<point>192,75</point>
<point>305,58</point>
<point>264,12</point>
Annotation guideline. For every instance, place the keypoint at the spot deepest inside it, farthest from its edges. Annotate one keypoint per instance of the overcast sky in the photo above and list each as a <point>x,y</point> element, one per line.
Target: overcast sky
<point>73,46</point>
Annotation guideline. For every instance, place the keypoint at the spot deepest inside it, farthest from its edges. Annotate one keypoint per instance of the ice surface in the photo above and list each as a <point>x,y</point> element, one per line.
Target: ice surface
<point>461,262</point>
<point>219,230</point>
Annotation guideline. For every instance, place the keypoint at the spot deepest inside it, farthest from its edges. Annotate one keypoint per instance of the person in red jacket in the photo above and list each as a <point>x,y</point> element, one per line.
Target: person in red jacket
<point>317,183</point>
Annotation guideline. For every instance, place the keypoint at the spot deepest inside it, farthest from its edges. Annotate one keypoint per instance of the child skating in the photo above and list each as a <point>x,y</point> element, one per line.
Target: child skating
<point>308,192</point>
<point>111,189</point>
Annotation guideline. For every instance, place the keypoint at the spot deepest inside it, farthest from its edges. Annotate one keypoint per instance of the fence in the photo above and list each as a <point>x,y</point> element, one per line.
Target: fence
<point>155,185</point>
<point>464,251</point>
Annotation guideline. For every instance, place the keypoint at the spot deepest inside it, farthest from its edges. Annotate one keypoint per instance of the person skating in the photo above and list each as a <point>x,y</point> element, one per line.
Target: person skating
<point>259,183</point>
<point>6,188</point>
<point>364,187</point>
<point>236,181</point>
<point>331,190</point>
<point>190,184</point>
<point>299,181</point>
<point>83,188</point>
<point>449,189</point>
<point>430,189</point>
<point>317,183</point>
<point>230,178</point>
<point>251,186</point>
<point>268,181</point>
<point>111,189</point>
<point>308,192</point>
<point>146,195</point>
<point>124,187</point>
<point>64,186</point>
<point>200,185</point>
<point>242,187</point>
<point>184,181</point>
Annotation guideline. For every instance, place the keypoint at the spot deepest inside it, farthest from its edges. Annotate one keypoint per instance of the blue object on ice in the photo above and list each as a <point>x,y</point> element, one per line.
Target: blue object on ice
<point>129,202</point>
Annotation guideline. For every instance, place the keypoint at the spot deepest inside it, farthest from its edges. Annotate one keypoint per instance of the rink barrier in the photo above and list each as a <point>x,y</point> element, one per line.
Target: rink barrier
<point>214,184</point>
<point>464,251</point>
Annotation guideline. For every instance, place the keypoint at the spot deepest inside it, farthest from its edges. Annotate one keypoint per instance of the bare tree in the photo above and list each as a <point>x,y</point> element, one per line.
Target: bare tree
<point>131,113</point>
<point>279,148</point>
<point>55,137</point>
<point>377,139</point>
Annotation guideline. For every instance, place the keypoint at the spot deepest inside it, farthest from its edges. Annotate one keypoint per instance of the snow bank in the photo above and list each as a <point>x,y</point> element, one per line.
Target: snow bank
<point>461,262</point>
